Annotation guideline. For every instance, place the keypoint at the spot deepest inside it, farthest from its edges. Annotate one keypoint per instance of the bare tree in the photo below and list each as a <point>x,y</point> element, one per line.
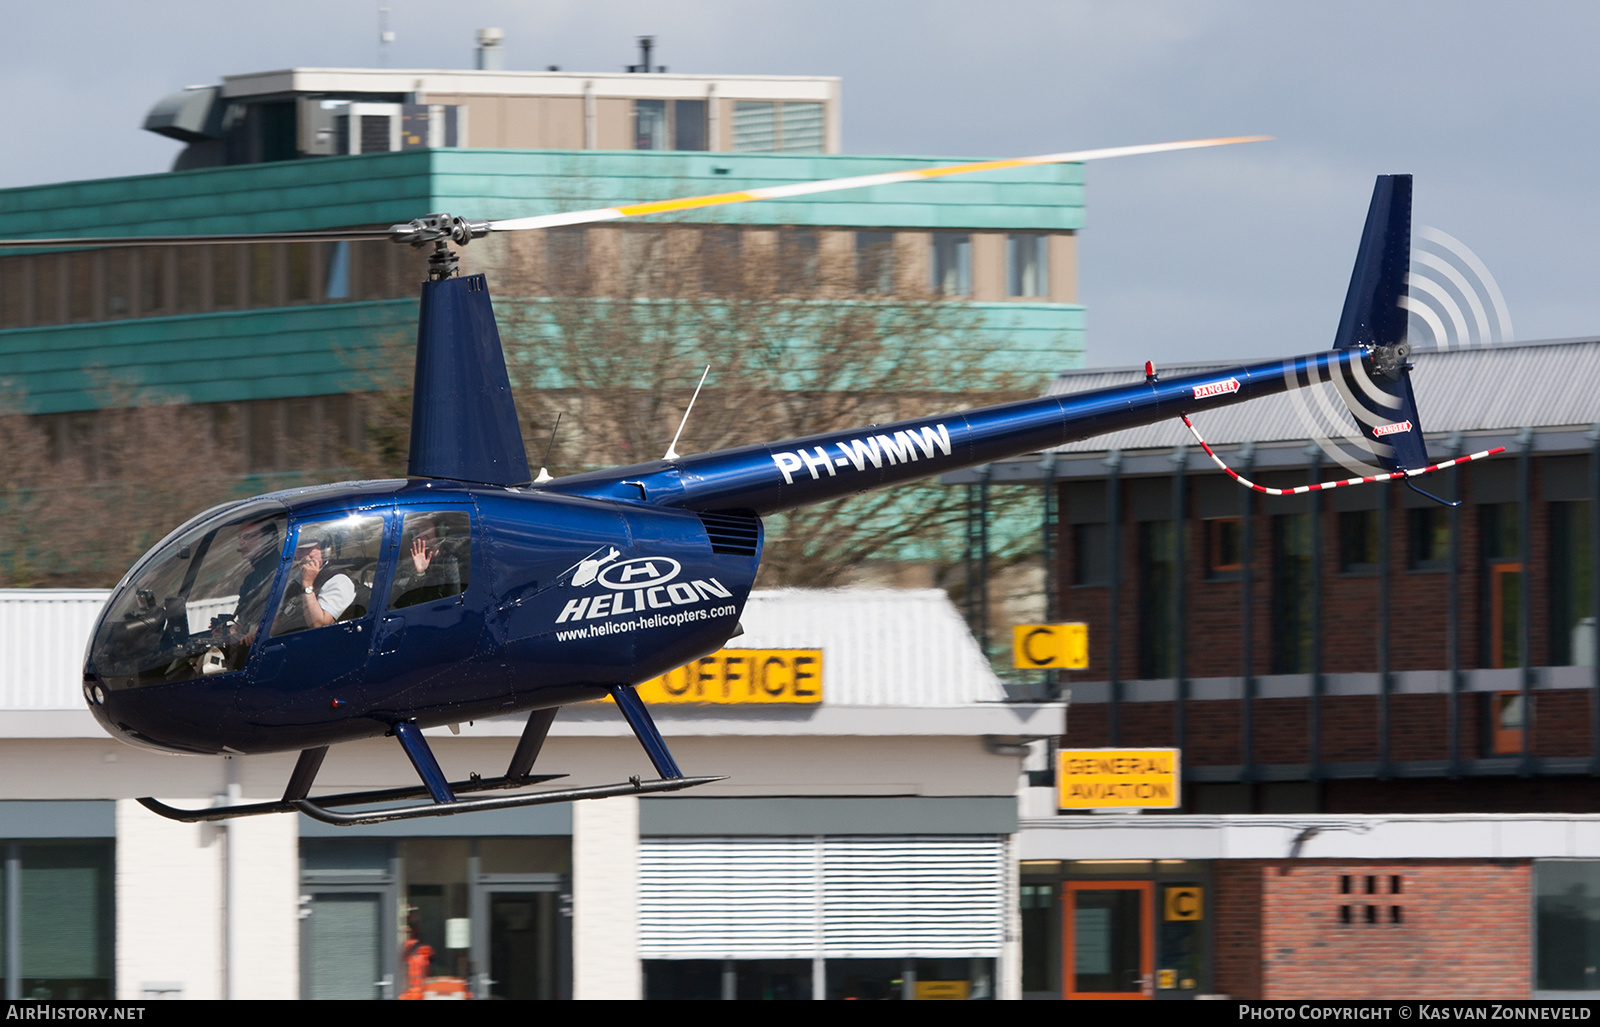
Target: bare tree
<point>800,339</point>
<point>79,502</point>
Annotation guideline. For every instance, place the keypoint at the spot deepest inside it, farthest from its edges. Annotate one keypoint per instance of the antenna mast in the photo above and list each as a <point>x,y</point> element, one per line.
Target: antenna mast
<point>672,450</point>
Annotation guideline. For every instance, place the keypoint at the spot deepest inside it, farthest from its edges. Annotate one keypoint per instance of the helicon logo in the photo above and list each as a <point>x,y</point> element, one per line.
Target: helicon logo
<point>640,572</point>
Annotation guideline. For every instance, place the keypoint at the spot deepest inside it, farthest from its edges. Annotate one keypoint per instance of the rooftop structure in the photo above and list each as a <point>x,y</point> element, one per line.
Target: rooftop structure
<point>295,113</point>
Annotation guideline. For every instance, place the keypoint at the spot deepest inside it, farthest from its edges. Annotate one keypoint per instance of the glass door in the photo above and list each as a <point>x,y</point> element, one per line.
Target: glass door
<point>523,943</point>
<point>344,949</point>
<point>1108,944</point>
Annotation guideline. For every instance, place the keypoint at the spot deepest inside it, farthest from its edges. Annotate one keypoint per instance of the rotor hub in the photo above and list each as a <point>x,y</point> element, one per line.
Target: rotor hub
<point>439,230</point>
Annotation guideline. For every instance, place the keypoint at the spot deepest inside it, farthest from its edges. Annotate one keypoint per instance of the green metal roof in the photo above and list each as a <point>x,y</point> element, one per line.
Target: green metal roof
<point>313,350</point>
<point>389,187</point>
<point>324,350</point>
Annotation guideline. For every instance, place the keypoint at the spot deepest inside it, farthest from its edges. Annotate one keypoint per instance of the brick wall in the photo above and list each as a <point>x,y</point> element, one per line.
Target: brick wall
<point>1418,598</point>
<point>1464,933</point>
<point>1349,729</point>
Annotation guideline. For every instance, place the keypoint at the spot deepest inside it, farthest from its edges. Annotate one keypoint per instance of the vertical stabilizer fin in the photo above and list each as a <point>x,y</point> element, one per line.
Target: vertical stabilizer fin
<point>1376,375</point>
<point>463,422</point>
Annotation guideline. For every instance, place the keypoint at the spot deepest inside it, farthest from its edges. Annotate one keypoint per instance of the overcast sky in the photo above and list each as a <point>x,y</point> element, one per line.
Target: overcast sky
<point>1242,252</point>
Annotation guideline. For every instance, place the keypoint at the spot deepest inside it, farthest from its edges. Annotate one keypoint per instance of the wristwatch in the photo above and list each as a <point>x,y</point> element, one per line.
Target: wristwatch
<point>310,590</point>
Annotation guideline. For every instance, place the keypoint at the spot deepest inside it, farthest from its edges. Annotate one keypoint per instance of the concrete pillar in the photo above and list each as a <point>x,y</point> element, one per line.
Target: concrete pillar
<point>605,899</point>
<point>266,865</point>
<point>171,905</point>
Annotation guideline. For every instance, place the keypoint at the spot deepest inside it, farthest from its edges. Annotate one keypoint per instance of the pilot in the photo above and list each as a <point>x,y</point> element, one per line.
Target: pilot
<point>258,550</point>
<point>322,602</point>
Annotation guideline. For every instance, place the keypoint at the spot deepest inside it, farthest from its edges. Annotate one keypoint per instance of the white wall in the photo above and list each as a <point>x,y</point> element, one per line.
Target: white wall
<point>169,904</point>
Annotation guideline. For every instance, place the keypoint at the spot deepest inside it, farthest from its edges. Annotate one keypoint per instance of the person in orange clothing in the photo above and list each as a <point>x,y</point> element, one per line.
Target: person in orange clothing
<point>416,956</point>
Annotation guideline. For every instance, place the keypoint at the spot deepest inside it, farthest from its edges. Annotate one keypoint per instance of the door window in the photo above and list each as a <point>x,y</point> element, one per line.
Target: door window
<point>1108,950</point>
<point>331,578</point>
<point>435,557</point>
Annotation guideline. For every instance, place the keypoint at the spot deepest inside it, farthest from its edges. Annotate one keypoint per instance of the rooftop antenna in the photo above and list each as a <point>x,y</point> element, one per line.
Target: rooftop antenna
<point>544,474</point>
<point>672,450</point>
<point>645,45</point>
<point>385,37</point>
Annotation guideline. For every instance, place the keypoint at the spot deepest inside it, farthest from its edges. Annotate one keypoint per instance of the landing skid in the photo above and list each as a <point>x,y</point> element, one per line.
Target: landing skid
<point>632,786</point>
<point>197,816</point>
<point>443,792</point>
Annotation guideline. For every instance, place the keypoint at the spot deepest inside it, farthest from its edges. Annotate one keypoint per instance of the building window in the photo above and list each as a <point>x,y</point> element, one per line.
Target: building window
<point>721,261</point>
<point>1224,547</point>
<point>1040,936</point>
<point>1572,620</point>
<point>1028,273</point>
<point>737,979</point>
<point>337,285</point>
<point>47,288</point>
<point>1430,539</point>
<point>689,125</point>
<point>13,292</point>
<point>225,277</point>
<point>119,283</point>
<point>488,910</point>
<point>1358,542</point>
<point>1508,724</point>
<point>1091,554</point>
<point>263,282</point>
<point>1292,600</point>
<point>802,128</point>
<point>755,126</point>
<point>1158,581</point>
<point>798,256</point>
<point>875,263</point>
<point>65,932</point>
<point>1499,528</point>
<point>952,264</point>
<point>764,126</point>
<point>649,124</point>
<point>1566,953</point>
<point>297,272</point>
<point>566,260</point>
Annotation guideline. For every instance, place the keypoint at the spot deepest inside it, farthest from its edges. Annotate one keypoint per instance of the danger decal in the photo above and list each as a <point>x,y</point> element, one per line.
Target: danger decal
<point>1216,388</point>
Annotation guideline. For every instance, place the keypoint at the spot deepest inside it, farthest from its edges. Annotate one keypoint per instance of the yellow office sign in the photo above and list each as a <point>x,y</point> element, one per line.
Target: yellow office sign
<point>1117,778</point>
<point>742,676</point>
<point>1050,646</point>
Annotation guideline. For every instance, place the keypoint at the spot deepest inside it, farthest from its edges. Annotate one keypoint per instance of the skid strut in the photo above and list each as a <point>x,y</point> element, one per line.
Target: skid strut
<point>446,794</point>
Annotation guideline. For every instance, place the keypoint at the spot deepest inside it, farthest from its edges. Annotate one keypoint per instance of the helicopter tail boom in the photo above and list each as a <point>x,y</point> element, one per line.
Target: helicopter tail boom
<point>778,476</point>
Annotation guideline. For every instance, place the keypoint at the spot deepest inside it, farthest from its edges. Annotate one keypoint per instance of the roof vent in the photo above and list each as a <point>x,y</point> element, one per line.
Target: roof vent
<point>491,56</point>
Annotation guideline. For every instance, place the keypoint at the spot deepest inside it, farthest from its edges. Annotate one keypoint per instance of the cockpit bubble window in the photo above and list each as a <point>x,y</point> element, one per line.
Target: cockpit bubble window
<point>435,557</point>
<point>193,609</point>
<point>330,579</point>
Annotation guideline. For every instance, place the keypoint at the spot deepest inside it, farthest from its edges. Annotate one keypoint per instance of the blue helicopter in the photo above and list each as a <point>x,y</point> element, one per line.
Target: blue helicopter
<point>473,589</point>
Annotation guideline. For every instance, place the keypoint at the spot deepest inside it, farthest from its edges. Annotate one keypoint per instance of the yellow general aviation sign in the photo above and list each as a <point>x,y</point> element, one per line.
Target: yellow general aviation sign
<point>1050,646</point>
<point>742,676</point>
<point>1117,778</point>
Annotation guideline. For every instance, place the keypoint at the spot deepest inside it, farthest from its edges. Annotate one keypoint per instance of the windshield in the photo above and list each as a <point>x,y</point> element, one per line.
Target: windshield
<point>194,608</point>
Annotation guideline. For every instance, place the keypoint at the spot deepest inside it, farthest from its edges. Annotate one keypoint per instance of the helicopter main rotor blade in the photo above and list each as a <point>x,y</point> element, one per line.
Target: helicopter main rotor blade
<point>778,192</point>
<point>122,241</point>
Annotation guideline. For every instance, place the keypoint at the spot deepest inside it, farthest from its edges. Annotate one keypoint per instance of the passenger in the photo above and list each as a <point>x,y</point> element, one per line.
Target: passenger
<point>429,572</point>
<point>333,594</point>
